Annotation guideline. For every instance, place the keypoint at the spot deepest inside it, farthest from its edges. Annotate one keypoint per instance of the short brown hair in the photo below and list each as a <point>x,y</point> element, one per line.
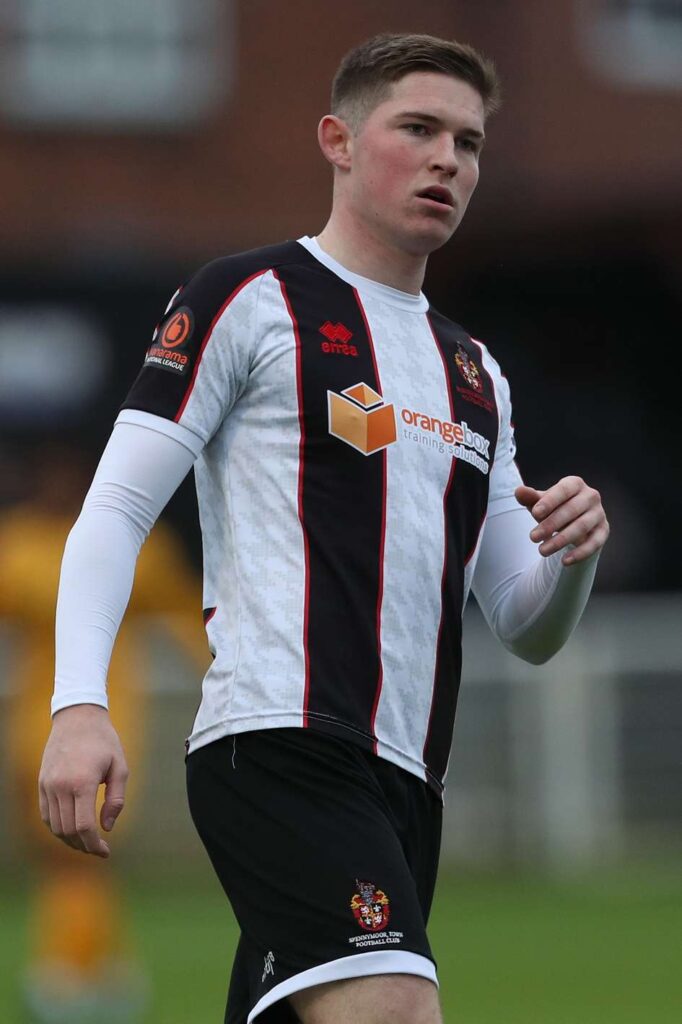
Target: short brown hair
<point>367,72</point>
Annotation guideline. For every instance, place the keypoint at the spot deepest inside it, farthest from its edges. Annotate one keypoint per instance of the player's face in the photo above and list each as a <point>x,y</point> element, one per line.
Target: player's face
<point>415,161</point>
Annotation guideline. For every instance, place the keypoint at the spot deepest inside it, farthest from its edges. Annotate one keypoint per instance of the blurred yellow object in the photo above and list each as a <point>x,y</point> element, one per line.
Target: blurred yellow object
<point>31,547</point>
<point>76,921</point>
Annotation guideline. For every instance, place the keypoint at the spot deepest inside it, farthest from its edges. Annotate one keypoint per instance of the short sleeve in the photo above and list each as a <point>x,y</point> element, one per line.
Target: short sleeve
<point>198,362</point>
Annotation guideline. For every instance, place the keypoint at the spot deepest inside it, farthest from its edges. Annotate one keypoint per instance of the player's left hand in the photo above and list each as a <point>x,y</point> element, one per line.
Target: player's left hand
<point>569,513</point>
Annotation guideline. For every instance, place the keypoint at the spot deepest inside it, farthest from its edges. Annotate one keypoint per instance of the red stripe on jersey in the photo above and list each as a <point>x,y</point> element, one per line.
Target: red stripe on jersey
<point>380,590</point>
<point>207,338</point>
<point>301,458</point>
<point>497,410</point>
<point>443,577</point>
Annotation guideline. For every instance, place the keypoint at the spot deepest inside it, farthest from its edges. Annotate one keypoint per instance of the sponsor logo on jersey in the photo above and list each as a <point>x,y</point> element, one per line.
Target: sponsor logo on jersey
<point>467,367</point>
<point>371,907</point>
<point>166,351</point>
<point>360,417</point>
<point>458,433</point>
<point>454,439</point>
<point>338,337</point>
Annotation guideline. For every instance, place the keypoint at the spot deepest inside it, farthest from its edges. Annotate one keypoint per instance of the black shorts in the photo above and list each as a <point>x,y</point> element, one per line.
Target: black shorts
<point>328,855</point>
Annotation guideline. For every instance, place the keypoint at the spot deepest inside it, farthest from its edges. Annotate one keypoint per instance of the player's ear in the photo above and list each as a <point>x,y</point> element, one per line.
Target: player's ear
<point>336,141</point>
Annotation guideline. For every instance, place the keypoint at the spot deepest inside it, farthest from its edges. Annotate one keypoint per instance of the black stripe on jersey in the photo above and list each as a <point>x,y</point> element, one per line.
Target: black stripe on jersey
<point>165,382</point>
<point>464,506</point>
<point>380,590</point>
<point>341,503</point>
<point>380,597</point>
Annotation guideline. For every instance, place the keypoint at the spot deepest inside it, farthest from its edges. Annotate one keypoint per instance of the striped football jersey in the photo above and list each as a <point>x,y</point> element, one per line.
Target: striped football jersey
<point>352,442</point>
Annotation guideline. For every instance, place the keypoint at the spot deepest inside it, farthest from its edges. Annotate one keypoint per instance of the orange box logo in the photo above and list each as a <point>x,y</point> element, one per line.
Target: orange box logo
<point>359,417</point>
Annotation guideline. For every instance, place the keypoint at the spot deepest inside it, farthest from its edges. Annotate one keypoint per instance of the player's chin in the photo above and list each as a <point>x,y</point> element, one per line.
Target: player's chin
<point>425,238</point>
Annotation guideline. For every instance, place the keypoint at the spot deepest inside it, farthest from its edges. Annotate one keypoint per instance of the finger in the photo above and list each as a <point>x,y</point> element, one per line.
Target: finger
<point>580,537</point>
<point>114,800</point>
<point>573,536</point>
<point>44,805</point>
<point>54,822</point>
<point>580,509</point>
<point>575,533</point>
<point>67,813</point>
<point>51,814</point>
<point>589,547</point>
<point>86,822</point>
<point>557,495</point>
<point>527,496</point>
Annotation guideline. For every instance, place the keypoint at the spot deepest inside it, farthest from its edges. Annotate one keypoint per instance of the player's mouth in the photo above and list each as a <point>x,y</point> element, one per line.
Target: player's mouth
<point>438,195</point>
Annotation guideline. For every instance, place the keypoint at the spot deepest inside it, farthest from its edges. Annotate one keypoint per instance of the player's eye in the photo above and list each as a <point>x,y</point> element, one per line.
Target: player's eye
<point>417,129</point>
<point>470,145</point>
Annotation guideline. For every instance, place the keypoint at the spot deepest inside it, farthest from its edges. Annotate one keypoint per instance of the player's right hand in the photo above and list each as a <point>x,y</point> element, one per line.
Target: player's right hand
<point>82,752</point>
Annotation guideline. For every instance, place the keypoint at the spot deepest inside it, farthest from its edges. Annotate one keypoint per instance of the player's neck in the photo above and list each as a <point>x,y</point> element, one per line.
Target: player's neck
<point>368,256</point>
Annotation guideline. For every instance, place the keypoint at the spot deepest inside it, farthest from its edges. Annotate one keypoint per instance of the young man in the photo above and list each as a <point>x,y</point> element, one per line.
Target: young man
<point>354,456</point>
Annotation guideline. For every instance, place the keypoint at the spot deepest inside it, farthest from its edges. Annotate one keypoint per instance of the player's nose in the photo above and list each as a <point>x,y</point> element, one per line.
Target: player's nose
<point>444,156</point>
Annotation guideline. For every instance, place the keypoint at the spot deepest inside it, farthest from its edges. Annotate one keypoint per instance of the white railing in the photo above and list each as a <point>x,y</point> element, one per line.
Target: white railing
<point>564,764</point>
<point>574,759</point>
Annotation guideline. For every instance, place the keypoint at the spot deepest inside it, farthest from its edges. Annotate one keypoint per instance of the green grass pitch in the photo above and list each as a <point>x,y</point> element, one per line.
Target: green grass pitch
<point>602,949</point>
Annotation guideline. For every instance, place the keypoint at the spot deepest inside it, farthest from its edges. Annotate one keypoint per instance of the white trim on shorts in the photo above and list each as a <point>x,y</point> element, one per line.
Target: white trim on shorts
<point>360,965</point>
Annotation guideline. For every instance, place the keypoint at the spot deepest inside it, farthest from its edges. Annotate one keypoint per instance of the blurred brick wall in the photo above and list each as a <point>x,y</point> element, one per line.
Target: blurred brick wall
<point>567,145</point>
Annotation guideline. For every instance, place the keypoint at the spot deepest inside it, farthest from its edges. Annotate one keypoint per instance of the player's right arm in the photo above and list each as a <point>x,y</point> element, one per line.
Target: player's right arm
<point>140,469</point>
<point>195,369</point>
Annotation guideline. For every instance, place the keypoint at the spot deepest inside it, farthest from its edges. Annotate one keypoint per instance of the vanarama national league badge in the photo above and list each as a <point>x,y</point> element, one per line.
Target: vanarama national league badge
<point>371,907</point>
<point>167,350</point>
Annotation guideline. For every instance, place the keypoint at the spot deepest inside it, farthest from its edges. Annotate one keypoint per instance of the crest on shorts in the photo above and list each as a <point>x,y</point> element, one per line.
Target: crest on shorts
<point>371,907</point>
<point>467,367</point>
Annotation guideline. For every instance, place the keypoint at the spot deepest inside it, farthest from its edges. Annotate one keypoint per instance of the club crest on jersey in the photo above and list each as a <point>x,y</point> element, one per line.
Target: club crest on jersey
<point>371,907</point>
<point>467,367</point>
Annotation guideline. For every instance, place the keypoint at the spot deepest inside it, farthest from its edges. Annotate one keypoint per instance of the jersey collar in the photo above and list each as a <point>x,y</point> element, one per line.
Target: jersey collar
<point>383,292</point>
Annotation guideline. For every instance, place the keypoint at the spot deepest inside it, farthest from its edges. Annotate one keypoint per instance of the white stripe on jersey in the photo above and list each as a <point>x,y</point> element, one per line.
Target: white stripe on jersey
<point>247,486</point>
<point>412,376</point>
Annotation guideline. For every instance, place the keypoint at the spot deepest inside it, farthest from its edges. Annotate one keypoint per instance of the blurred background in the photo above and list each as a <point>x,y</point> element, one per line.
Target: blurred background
<point>138,141</point>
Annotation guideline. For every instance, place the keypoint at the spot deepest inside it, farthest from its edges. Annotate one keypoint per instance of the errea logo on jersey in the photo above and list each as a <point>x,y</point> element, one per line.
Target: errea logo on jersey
<point>359,417</point>
<point>338,339</point>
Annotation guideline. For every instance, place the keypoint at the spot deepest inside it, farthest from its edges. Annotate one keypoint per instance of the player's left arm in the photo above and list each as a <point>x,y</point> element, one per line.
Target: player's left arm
<point>536,565</point>
<point>539,550</point>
